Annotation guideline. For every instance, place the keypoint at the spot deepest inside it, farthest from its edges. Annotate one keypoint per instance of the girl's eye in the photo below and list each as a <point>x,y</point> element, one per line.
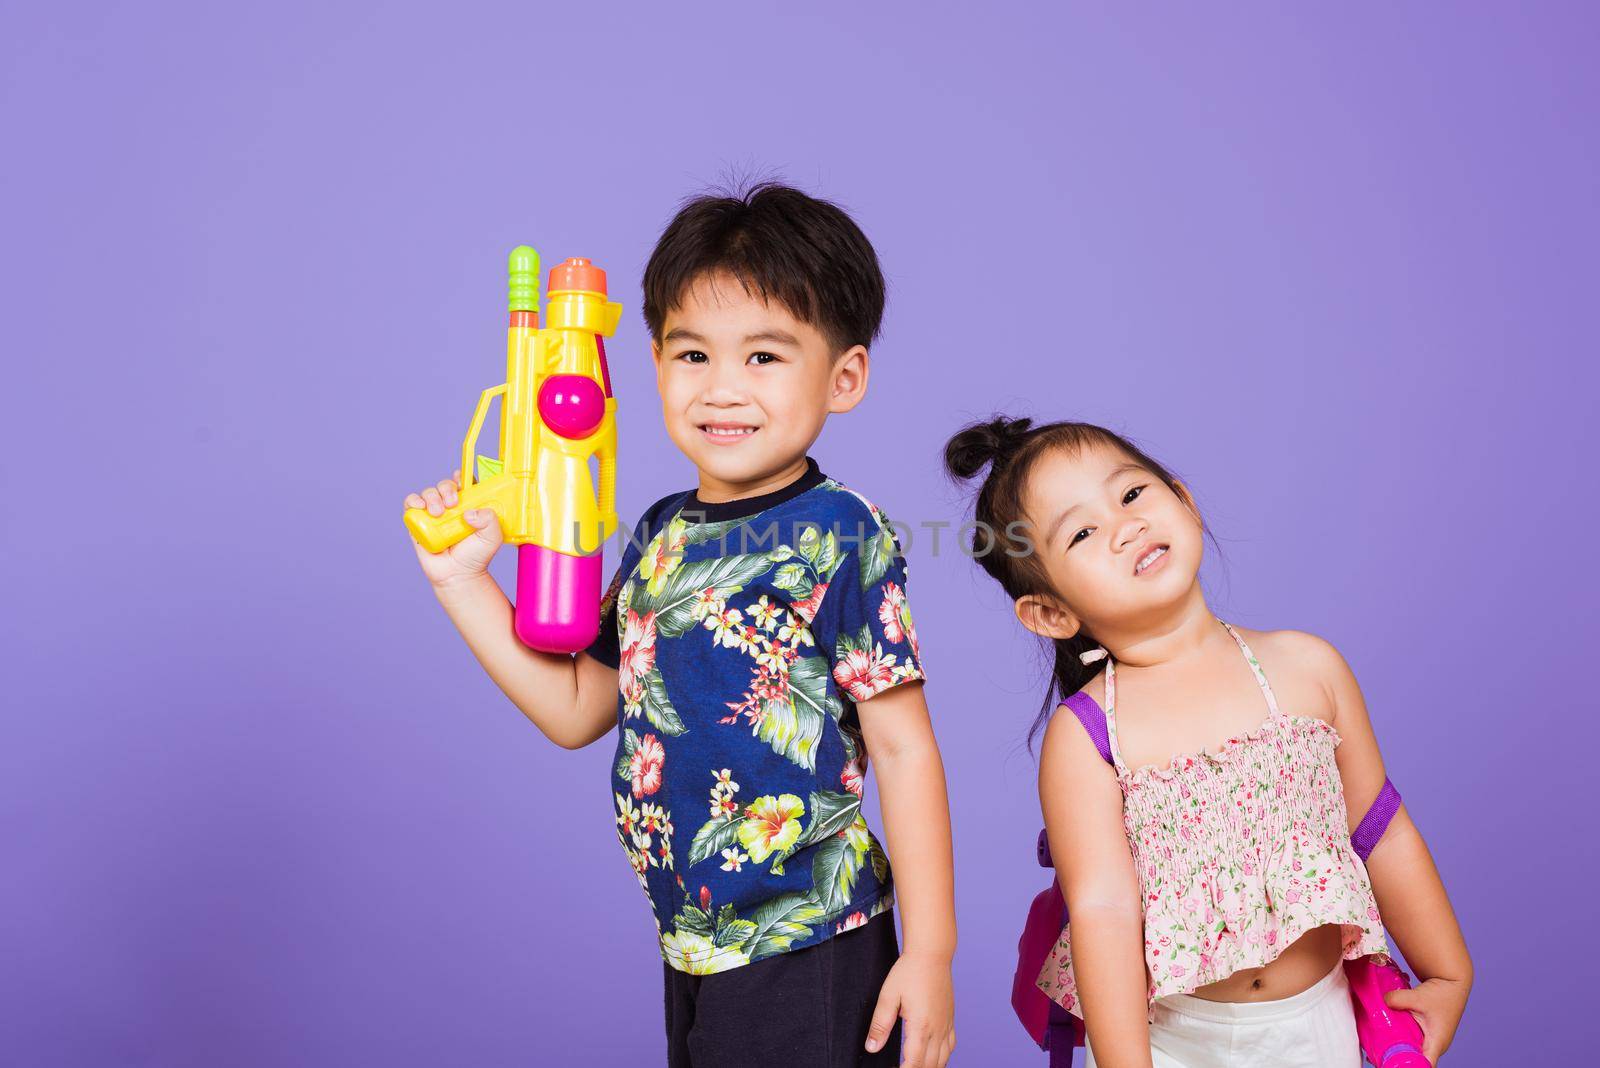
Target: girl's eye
<point>763,358</point>
<point>1132,495</point>
<point>1079,536</point>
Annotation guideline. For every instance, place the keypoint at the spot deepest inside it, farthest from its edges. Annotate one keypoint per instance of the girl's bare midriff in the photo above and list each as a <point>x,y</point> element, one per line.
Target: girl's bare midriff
<point>1298,968</point>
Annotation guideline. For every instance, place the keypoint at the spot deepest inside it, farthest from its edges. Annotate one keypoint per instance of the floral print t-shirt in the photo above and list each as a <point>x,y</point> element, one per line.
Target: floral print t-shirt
<point>743,633</point>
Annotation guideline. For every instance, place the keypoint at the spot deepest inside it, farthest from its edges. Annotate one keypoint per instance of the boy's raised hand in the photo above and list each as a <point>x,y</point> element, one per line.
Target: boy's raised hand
<point>468,558</point>
<point>919,991</point>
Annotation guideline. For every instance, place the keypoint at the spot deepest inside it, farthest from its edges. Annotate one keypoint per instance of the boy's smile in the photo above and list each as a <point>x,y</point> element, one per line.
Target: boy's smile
<point>745,387</point>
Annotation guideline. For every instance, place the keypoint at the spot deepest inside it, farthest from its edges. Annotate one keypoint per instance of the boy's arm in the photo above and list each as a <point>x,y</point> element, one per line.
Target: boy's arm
<point>916,822</point>
<point>573,700</point>
<point>1411,896</point>
<point>1083,819</point>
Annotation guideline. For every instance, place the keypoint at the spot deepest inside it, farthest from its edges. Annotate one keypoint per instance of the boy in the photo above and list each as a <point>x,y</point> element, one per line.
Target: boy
<point>755,646</point>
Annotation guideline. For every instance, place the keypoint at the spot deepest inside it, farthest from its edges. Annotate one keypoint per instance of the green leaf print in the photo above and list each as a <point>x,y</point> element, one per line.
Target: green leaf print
<point>699,533</point>
<point>658,706</point>
<point>880,861</point>
<point>831,812</point>
<point>779,921</point>
<point>674,605</point>
<point>793,724</point>
<point>630,742</point>
<point>833,873</point>
<point>877,553</point>
<point>691,920</point>
<point>735,933</point>
<point>709,841</point>
<point>794,580</point>
<point>820,550</point>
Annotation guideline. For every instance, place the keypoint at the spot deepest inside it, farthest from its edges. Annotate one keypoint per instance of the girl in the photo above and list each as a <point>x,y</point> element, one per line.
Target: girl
<point>1212,888</point>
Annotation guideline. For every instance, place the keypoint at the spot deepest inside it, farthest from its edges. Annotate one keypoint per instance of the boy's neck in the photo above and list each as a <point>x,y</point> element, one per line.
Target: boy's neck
<point>723,496</point>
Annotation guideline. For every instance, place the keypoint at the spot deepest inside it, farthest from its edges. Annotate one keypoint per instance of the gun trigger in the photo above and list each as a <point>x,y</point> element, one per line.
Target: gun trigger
<point>488,467</point>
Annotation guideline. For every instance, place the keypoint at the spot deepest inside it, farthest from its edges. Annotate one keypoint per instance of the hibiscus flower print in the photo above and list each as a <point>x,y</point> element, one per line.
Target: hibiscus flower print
<point>852,776</point>
<point>637,659</point>
<point>864,673</point>
<point>663,556</point>
<point>698,955</point>
<point>851,922</point>
<point>895,615</point>
<point>771,825</point>
<point>646,765</point>
<point>732,859</point>
<point>807,609</point>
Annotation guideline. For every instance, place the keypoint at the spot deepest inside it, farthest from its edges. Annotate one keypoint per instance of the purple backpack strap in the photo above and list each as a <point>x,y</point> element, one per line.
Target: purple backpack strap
<point>1370,830</point>
<point>1093,718</point>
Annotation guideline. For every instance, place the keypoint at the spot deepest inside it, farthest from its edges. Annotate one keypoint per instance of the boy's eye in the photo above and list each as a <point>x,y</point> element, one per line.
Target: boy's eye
<point>763,358</point>
<point>1132,495</point>
<point>1079,536</point>
<point>693,356</point>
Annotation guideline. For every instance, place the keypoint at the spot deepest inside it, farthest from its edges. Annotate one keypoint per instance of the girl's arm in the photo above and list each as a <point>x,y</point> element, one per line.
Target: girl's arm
<point>1083,818</point>
<point>916,826</point>
<point>1410,894</point>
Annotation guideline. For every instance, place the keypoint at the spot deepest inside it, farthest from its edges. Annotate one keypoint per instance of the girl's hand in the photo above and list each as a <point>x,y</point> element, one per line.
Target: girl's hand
<point>467,559</point>
<point>919,991</point>
<point>1437,1005</point>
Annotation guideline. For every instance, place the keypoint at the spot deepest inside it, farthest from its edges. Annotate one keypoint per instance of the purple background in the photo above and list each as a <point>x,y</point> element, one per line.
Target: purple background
<point>258,805</point>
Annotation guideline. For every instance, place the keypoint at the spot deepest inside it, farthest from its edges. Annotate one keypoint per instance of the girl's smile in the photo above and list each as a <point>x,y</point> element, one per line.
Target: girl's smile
<point>1151,560</point>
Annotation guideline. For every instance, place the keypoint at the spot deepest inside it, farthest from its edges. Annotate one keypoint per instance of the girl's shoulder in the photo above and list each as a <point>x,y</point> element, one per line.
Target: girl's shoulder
<point>1063,725</point>
<point>1302,668</point>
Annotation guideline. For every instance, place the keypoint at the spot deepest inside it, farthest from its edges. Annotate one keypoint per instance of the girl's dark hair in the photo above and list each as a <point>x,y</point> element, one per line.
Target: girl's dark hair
<point>782,245</point>
<point>1010,448</point>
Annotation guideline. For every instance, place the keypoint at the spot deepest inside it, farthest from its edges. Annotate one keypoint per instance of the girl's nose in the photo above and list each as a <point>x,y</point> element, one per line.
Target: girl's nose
<point>1132,529</point>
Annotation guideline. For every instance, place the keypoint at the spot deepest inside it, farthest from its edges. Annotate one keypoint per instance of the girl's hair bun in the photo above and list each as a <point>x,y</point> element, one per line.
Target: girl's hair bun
<point>980,444</point>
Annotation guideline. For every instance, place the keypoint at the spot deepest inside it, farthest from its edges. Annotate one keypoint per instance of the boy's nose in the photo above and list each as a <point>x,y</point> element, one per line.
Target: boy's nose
<point>724,390</point>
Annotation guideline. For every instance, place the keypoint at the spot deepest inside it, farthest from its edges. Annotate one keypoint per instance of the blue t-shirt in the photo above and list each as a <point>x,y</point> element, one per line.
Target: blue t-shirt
<point>743,633</point>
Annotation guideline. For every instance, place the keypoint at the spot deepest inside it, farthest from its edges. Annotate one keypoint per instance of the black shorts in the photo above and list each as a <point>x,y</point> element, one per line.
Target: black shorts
<point>809,1008</point>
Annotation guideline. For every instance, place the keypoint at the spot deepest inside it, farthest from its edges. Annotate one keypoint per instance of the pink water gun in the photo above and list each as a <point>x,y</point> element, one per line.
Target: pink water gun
<point>1390,1038</point>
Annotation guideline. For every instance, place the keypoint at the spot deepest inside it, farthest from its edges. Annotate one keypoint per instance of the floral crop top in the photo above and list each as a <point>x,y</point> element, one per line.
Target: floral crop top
<point>1238,852</point>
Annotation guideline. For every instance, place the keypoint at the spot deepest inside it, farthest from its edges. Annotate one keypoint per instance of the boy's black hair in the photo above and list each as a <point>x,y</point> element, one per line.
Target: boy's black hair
<point>782,245</point>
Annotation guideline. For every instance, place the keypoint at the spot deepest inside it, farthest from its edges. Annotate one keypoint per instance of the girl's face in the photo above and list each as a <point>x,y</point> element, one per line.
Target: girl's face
<point>1116,541</point>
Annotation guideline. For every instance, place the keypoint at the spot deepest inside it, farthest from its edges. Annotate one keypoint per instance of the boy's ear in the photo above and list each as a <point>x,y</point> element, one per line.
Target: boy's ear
<point>1046,616</point>
<point>849,379</point>
<point>655,358</point>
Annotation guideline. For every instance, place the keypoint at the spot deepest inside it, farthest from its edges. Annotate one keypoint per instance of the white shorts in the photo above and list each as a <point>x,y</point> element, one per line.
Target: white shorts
<point>1315,1028</point>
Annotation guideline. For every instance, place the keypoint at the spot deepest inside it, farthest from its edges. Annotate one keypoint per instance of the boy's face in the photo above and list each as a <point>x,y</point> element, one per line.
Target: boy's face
<point>745,387</point>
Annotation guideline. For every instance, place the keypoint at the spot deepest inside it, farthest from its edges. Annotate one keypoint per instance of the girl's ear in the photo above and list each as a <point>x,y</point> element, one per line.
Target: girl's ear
<point>1046,617</point>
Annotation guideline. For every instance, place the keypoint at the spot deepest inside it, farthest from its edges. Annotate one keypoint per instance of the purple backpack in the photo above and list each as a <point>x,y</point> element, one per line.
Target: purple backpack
<point>1056,1030</point>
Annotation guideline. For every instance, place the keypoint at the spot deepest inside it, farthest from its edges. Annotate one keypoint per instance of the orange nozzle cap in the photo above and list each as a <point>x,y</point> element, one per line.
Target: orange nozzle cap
<point>577,273</point>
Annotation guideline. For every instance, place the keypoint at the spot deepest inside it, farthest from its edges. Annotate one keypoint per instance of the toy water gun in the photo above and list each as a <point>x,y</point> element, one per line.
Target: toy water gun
<point>1390,1038</point>
<point>557,414</point>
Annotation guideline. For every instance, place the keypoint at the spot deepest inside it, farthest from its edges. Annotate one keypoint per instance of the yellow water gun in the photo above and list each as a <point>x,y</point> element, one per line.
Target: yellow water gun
<point>557,415</point>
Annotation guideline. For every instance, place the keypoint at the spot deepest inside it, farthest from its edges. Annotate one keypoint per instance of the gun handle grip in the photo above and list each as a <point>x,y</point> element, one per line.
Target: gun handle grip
<point>437,533</point>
